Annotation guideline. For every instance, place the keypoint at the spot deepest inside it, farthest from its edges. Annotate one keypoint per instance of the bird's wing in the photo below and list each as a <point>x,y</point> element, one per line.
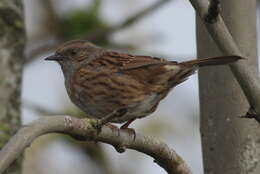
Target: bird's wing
<point>127,62</point>
<point>147,69</point>
<point>152,72</point>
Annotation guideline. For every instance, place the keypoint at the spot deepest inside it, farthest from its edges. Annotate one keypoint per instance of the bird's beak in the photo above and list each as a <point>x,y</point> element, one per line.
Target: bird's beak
<point>55,57</point>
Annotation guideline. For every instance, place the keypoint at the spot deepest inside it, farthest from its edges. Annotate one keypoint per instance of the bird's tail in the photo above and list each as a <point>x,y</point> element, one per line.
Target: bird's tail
<point>212,61</point>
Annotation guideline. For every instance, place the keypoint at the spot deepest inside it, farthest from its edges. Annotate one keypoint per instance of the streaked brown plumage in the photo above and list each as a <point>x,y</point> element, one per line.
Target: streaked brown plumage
<point>100,81</point>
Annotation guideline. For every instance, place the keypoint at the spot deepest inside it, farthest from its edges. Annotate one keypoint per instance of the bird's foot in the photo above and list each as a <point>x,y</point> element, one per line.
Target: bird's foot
<point>116,113</point>
<point>130,131</point>
<point>121,147</point>
<point>113,128</point>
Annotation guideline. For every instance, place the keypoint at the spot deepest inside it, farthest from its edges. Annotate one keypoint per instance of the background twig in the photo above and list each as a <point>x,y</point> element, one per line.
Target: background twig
<point>95,36</point>
<point>99,35</point>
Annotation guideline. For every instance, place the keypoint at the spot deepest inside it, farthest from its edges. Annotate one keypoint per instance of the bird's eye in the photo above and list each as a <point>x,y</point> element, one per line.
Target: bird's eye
<point>73,52</point>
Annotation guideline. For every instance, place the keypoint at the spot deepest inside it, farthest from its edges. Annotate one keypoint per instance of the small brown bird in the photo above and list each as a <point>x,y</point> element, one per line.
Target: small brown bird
<point>118,87</point>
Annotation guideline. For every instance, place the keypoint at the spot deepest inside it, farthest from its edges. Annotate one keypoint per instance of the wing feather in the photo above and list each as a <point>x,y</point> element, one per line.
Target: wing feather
<point>151,72</point>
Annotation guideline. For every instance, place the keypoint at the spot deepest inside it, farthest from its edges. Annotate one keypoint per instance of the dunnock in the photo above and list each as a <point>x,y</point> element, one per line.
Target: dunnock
<point>119,87</point>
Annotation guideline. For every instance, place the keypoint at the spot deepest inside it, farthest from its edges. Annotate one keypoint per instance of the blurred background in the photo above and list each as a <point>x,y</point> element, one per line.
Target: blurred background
<point>164,28</point>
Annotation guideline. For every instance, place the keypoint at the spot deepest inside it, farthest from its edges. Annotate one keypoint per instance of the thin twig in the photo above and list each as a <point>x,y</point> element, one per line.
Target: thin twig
<point>101,34</point>
<point>84,129</point>
<point>97,35</point>
<point>247,79</point>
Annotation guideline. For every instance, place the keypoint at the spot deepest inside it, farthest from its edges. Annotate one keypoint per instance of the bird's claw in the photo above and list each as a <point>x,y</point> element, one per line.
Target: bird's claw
<point>113,128</point>
<point>130,132</point>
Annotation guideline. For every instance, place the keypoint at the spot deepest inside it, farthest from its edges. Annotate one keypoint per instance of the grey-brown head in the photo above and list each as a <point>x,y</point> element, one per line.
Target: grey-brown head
<point>72,54</point>
<point>77,50</point>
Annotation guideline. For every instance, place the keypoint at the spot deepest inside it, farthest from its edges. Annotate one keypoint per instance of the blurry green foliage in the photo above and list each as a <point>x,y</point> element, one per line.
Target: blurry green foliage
<point>79,22</point>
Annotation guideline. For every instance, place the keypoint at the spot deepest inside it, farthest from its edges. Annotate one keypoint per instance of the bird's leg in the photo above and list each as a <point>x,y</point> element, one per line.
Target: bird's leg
<point>129,130</point>
<point>116,113</point>
<point>125,126</point>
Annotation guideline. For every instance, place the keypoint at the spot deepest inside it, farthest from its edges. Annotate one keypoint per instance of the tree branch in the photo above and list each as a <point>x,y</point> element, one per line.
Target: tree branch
<point>246,77</point>
<point>213,11</point>
<point>84,129</point>
<point>12,39</point>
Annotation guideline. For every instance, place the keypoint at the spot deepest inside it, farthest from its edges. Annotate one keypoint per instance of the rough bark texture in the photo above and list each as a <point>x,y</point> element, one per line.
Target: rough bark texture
<point>11,60</point>
<point>86,130</point>
<point>230,145</point>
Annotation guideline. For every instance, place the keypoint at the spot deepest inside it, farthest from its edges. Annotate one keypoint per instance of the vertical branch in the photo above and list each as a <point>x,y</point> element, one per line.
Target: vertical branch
<point>230,145</point>
<point>12,39</point>
<point>213,11</point>
<point>244,72</point>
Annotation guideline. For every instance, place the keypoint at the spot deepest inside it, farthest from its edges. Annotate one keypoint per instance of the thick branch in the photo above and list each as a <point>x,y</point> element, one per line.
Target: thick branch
<point>83,129</point>
<point>213,11</point>
<point>248,79</point>
<point>12,39</point>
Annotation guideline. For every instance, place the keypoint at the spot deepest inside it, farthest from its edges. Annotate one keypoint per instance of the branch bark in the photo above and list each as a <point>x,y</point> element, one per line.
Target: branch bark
<point>12,40</point>
<point>244,74</point>
<point>84,129</point>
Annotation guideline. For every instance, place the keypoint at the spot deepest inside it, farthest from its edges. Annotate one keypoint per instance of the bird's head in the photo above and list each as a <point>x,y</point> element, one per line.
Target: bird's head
<point>72,54</point>
<point>75,51</point>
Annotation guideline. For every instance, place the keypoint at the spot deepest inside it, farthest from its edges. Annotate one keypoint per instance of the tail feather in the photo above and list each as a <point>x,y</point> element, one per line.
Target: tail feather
<point>212,61</point>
